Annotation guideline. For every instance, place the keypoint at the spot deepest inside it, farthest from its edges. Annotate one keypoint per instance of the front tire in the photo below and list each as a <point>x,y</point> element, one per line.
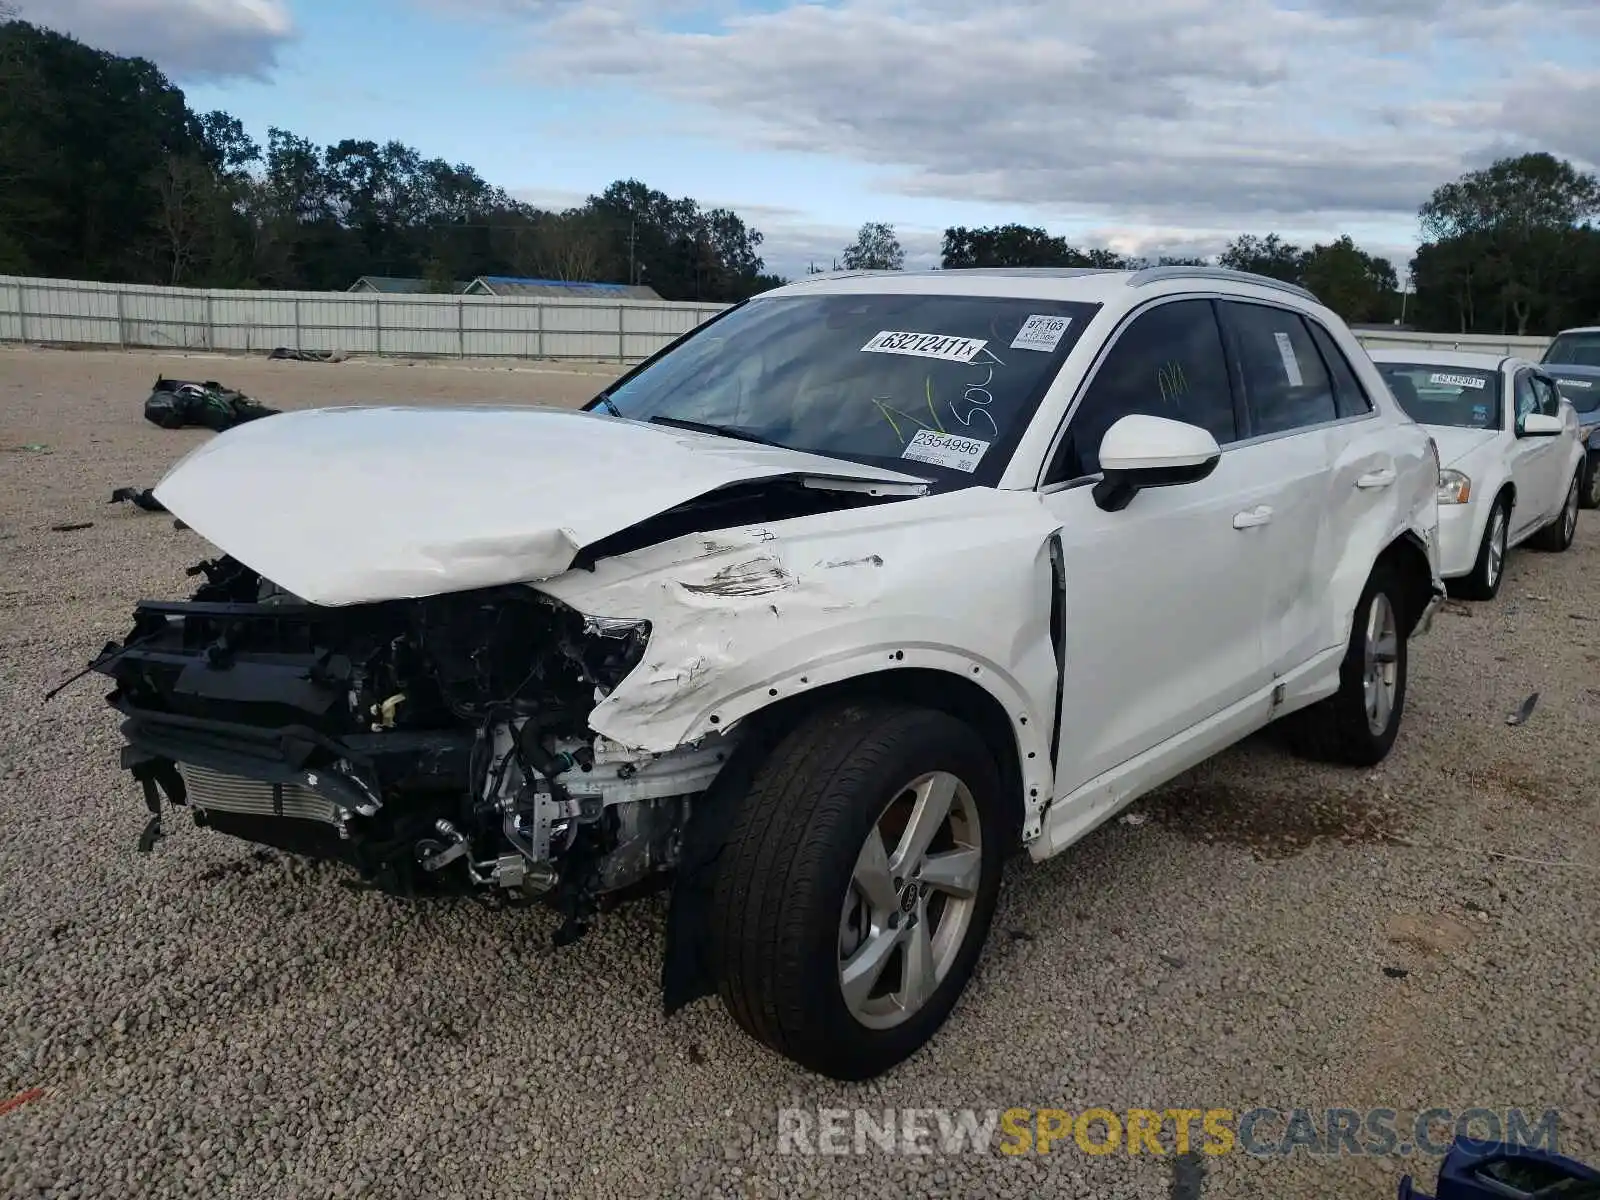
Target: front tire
<point>1490,569</point>
<point>1358,724</point>
<point>857,886</point>
<point>1557,536</point>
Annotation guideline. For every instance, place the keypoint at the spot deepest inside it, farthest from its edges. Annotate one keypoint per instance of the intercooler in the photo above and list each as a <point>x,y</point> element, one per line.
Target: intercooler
<point>214,791</point>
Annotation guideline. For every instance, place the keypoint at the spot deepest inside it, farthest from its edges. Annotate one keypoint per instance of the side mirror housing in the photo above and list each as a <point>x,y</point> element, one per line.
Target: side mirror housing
<point>1539,425</point>
<point>1140,452</point>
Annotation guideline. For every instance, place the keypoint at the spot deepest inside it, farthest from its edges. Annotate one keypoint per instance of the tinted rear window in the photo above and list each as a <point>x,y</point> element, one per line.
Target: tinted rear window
<point>1460,396</point>
<point>1584,393</point>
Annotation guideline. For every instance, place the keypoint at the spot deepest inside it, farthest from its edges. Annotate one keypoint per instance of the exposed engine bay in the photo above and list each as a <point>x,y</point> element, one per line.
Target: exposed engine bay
<point>436,745</point>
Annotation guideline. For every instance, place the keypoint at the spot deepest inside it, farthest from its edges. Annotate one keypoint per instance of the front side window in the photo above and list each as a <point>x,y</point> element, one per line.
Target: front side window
<point>1545,394</point>
<point>1579,349</point>
<point>1527,399</point>
<point>1465,397</point>
<point>1168,363</point>
<point>941,386</point>
<point>1285,383</point>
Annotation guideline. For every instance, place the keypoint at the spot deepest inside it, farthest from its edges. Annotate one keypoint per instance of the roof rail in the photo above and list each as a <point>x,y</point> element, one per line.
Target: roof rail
<point>844,273</point>
<point>1157,274</point>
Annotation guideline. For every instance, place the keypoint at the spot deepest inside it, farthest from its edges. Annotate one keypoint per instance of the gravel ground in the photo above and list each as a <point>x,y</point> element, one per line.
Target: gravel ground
<point>213,1021</point>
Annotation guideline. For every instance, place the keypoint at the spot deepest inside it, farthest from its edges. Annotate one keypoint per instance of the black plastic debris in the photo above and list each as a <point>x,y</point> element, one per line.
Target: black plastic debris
<point>1526,711</point>
<point>138,497</point>
<point>184,403</point>
<point>327,356</point>
<point>1396,972</point>
<point>72,526</point>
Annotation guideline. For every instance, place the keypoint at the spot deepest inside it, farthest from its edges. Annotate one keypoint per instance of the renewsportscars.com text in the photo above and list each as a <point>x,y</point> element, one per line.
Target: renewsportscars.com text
<point>1261,1132</point>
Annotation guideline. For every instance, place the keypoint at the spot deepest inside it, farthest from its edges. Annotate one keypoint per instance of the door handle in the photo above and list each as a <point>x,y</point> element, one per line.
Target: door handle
<point>1251,517</point>
<point>1380,478</point>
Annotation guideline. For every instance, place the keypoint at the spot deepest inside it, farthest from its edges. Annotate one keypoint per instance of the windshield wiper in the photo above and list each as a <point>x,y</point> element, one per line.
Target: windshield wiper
<point>605,399</point>
<point>727,431</point>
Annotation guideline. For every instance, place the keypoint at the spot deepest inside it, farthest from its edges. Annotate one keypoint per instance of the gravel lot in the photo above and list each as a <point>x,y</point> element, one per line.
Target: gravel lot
<point>212,1021</point>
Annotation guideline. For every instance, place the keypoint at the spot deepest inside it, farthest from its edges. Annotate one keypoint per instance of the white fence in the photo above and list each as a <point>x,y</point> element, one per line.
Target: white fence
<point>1385,339</point>
<point>70,313</point>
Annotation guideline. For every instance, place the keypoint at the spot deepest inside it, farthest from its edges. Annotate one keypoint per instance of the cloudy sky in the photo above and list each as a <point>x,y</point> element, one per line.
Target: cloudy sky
<point>1150,126</point>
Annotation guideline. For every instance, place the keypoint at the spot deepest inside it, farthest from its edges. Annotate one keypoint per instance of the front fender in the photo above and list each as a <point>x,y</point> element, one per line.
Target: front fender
<point>743,618</point>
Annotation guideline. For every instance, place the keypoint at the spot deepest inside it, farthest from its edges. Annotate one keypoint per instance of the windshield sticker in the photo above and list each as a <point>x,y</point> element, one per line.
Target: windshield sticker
<point>946,450</point>
<point>1041,332</point>
<point>1480,411</point>
<point>1291,364</point>
<point>926,345</point>
<point>1583,383</point>
<point>1477,383</point>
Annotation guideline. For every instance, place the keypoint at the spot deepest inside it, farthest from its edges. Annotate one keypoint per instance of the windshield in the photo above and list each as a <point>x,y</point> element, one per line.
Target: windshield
<point>1584,393</point>
<point>941,386</point>
<point>1433,395</point>
<point>1580,349</point>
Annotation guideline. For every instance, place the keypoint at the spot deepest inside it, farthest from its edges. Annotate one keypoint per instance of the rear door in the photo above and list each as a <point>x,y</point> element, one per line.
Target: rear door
<point>1291,407</point>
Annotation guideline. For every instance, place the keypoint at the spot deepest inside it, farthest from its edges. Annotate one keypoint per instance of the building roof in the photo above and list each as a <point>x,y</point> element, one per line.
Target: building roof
<point>512,285</point>
<point>394,285</point>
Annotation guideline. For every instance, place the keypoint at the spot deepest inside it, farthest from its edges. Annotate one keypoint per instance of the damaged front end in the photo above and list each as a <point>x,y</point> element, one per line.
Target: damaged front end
<point>435,745</point>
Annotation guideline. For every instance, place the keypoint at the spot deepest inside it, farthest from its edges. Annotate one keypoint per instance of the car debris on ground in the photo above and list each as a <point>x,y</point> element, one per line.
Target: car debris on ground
<point>182,403</point>
<point>1524,711</point>
<point>325,356</point>
<point>144,498</point>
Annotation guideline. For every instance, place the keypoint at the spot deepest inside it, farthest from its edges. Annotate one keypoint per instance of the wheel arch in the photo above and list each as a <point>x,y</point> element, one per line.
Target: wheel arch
<point>1408,557</point>
<point>686,972</point>
<point>923,687</point>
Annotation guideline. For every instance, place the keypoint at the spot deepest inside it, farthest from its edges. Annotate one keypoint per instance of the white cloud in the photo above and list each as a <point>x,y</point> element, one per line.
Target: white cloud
<point>1175,114</point>
<point>190,40</point>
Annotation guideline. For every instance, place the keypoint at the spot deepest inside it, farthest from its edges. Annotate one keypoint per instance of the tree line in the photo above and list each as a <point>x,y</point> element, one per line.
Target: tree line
<point>107,174</point>
<point>1509,249</point>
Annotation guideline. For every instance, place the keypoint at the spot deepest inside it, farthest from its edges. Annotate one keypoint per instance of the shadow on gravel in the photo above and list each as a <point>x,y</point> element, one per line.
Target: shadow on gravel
<point>248,865</point>
<point>1275,806</point>
<point>1269,824</point>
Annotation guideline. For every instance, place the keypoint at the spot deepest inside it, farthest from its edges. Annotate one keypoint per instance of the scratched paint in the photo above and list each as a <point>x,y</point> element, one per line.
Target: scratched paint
<point>753,577</point>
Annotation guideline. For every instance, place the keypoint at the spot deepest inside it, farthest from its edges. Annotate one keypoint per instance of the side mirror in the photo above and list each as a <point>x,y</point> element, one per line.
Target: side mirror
<point>1140,452</point>
<point>1539,425</point>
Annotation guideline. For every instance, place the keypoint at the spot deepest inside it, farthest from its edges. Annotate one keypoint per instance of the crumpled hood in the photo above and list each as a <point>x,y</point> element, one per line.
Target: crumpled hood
<point>350,505</point>
<point>1456,442</point>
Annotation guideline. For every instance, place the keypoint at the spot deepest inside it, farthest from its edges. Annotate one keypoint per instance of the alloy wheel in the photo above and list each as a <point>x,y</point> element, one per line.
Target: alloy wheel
<point>910,901</point>
<point>1381,676</point>
<point>1497,547</point>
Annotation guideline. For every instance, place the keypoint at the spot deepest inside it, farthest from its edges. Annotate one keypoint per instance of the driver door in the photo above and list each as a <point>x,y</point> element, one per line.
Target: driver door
<point>1535,461</point>
<point>1163,600</point>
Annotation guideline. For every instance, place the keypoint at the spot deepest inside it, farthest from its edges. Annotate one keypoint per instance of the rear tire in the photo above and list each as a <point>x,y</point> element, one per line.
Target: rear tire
<point>1490,569</point>
<point>804,905</point>
<point>1591,481</point>
<point>1557,536</point>
<point>1358,724</point>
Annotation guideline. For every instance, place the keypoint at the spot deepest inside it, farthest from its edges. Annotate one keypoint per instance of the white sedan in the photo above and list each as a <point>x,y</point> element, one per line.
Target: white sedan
<point>1510,458</point>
